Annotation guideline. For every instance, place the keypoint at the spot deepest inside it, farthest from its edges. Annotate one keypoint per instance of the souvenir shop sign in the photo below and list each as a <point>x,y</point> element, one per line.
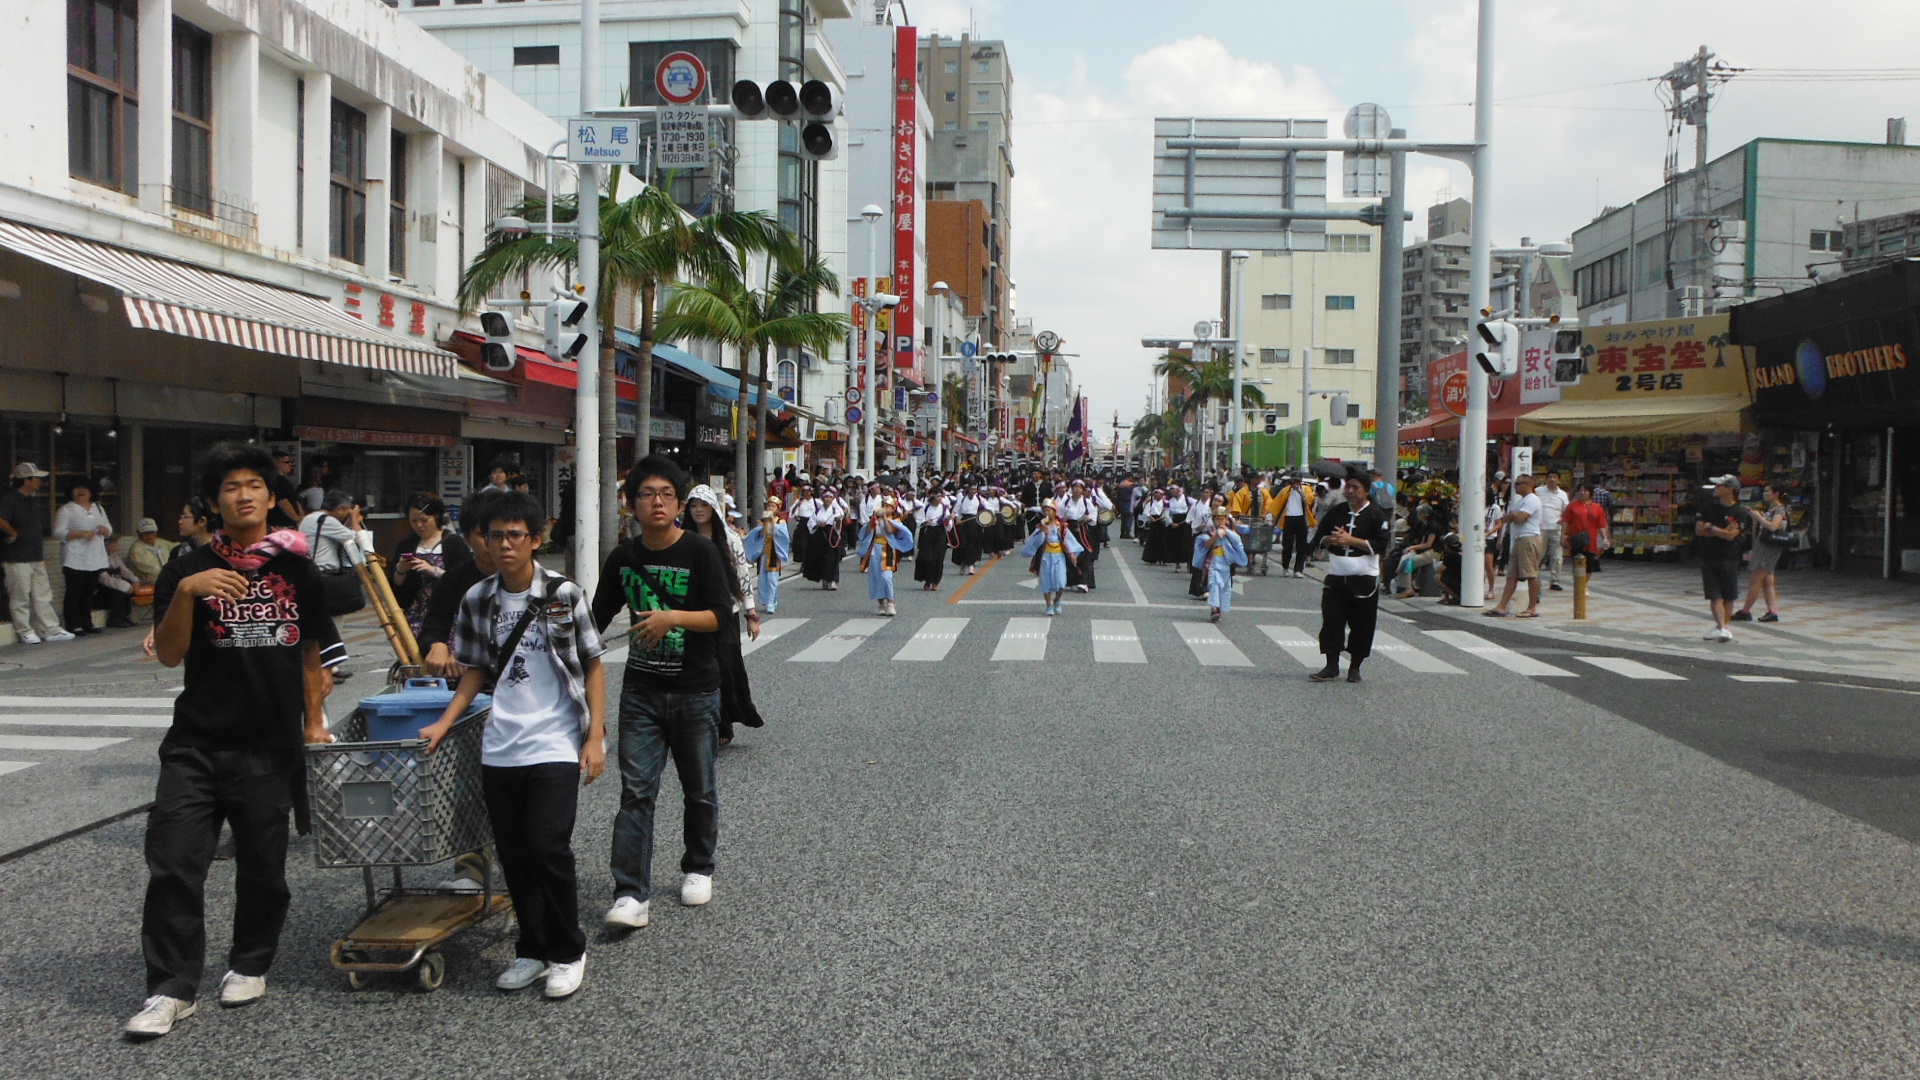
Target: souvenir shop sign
<point>1660,358</point>
<point>1846,352</point>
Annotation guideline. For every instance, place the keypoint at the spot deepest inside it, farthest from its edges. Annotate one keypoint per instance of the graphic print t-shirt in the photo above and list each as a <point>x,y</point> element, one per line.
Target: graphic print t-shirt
<point>534,719</point>
<point>685,576</point>
<point>244,685</point>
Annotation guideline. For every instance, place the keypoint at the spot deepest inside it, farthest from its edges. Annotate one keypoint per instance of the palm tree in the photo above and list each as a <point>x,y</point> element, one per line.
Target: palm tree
<point>1206,381</point>
<point>646,242</point>
<point>723,308</point>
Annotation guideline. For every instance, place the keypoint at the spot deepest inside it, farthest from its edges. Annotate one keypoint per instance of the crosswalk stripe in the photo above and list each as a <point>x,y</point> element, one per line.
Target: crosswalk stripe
<point>1297,643</point>
<point>1411,658</point>
<point>20,702</point>
<point>1023,639</point>
<point>53,742</point>
<point>1760,678</point>
<point>1210,646</point>
<point>770,630</point>
<point>15,766</point>
<point>932,641</point>
<point>82,720</point>
<point>839,642</point>
<point>1116,642</point>
<point>1498,655</point>
<point>1632,669</point>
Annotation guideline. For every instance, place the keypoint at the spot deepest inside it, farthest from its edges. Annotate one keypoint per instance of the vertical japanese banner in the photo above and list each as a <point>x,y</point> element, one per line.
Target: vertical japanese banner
<point>859,364</point>
<point>906,61</point>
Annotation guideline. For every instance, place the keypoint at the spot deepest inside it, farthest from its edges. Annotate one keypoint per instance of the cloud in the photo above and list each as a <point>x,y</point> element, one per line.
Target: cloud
<point>1082,255</point>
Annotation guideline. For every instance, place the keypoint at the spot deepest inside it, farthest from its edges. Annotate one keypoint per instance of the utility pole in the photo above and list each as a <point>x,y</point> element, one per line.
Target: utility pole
<point>1239,312</point>
<point>1386,407</point>
<point>1473,426</point>
<point>871,400</point>
<point>589,492</point>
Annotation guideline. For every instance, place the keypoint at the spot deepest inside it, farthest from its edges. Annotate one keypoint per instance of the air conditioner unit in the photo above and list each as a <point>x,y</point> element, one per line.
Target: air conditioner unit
<point>1687,302</point>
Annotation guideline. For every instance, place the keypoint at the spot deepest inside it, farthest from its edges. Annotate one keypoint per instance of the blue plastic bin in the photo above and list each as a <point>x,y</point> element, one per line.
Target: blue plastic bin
<point>401,714</point>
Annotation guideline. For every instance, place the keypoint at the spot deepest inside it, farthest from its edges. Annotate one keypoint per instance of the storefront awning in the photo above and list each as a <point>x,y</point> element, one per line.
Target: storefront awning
<point>720,383</point>
<point>176,298</point>
<point>1638,416</point>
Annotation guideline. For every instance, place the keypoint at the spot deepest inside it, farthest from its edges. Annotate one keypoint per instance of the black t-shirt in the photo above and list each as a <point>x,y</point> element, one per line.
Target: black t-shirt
<point>443,603</point>
<point>28,516</point>
<point>1718,516</point>
<point>686,576</point>
<point>283,490</point>
<point>245,687</point>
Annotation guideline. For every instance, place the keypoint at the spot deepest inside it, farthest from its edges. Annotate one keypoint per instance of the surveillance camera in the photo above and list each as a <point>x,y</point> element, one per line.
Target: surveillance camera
<point>885,300</point>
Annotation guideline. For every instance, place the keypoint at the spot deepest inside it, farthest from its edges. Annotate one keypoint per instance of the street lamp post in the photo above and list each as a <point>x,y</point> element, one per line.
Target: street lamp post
<point>587,491</point>
<point>1239,337</point>
<point>939,290</point>
<point>872,214</point>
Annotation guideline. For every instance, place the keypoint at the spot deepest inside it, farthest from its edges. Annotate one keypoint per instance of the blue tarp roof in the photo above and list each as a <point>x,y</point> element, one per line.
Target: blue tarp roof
<point>720,383</point>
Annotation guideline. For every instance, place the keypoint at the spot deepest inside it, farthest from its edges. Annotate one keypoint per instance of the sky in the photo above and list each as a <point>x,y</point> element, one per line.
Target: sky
<point>1577,126</point>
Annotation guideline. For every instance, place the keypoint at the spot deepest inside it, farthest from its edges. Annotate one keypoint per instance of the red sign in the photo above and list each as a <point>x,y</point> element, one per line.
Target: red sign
<point>363,437</point>
<point>680,77</point>
<point>1453,393</point>
<point>906,123</point>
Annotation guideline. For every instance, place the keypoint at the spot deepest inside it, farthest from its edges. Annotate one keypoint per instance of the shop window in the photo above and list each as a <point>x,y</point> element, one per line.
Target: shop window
<point>103,107</point>
<point>397,207</point>
<point>347,193</point>
<point>192,118</point>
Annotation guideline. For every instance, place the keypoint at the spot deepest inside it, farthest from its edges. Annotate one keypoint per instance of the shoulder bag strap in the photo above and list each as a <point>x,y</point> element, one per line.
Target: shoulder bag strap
<point>513,639</point>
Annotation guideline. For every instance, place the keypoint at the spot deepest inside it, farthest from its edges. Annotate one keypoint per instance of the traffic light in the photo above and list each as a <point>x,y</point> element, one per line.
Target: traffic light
<point>812,105</point>
<point>1273,424</point>
<point>1569,359</point>
<point>999,357</point>
<point>1339,410</point>
<point>779,100</point>
<point>1501,357</point>
<point>565,321</point>
<point>497,350</point>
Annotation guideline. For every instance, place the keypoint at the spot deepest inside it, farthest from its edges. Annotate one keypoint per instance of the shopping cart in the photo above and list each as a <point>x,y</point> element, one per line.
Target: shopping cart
<point>1259,541</point>
<point>390,805</point>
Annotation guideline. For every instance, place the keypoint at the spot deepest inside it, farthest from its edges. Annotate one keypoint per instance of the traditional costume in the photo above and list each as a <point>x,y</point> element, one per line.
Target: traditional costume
<point>1052,546</point>
<point>824,542</point>
<point>769,547</point>
<point>1079,512</point>
<point>880,552</point>
<point>935,519</point>
<point>967,554</point>
<point>1152,530</point>
<point>1215,554</point>
<point>1350,600</point>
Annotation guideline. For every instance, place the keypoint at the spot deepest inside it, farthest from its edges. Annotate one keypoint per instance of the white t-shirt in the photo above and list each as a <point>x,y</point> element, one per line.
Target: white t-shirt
<point>1528,504</point>
<point>534,720</point>
<point>1552,505</point>
<point>88,552</point>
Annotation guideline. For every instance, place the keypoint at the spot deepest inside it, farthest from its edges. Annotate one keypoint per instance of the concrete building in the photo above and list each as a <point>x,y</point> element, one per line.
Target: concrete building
<point>1312,316</point>
<point>1776,210</point>
<point>1863,245</point>
<point>969,89</point>
<point>1434,310</point>
<point>225,219</point>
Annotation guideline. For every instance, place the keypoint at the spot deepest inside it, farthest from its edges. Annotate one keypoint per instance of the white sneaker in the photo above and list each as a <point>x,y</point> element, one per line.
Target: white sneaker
<point>626,913</point>
<point>237,989</point>
<point>1711,635</point>
<point>521,973</point>
<point>28,637</point>
<point>1725,635</point>
<point>697,889</point>
<point>564,979</point>
<point>158,1016</point>
<point>60,635</point>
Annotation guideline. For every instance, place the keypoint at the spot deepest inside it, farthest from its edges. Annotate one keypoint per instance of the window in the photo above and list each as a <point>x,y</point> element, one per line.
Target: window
<point>980,96</point>
<point>300,163</point>
<point>1353,411</point>
<point>1651,256</point>
<point>1276,356</point>
<point>953,67</point>
<point>1339,303</point>
<point>1337,356</point>
<point>347,196</point>
<point>192,117</point>
<point>1603,279</point>
<point>535,55</point>
<point>466,1</point>
<point>103,108</point>
<point>1278,408</point>
<point>1276,302</point>
<point>984,67</point>
<point>1349,243</point>
<point>397,207</point>
<point>953,96</point>
<point>426,3</point>
<point>1825,240</point>
<point>1272,254</point>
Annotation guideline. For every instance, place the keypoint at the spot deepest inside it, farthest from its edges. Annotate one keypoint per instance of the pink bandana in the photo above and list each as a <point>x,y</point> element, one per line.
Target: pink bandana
<point>255,556</point>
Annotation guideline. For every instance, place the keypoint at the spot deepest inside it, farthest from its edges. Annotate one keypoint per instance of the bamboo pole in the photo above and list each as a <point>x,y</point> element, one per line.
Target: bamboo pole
<point>387,610</point>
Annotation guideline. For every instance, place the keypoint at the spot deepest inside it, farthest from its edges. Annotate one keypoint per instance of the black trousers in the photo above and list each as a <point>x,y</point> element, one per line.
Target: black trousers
<point>77,609</point>
<point>1349,608</point>
<point>1293,543</point>
<point>251,790</point>
<point>532,808</point>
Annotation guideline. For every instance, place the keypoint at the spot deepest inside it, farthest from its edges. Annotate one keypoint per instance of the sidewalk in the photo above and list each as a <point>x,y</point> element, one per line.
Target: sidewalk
<point>1830,624</point>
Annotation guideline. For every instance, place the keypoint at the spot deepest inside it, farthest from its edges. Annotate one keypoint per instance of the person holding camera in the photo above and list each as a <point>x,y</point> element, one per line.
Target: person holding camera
<point>422,558</point>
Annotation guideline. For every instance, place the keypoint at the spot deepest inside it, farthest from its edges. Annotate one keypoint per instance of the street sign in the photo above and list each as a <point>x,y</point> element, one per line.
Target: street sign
<point>1046,341</point>
<point>1210,199</point>
<point>1453,394</point>
<point>680,78</point>
<point>1367,175</point>
<point>969,350</point>
<point>853,395</point>
<point>602,142</point>
<point>854,415</point>
<point>682,139</point>
<point>933,399</point>
<point>918,451</point>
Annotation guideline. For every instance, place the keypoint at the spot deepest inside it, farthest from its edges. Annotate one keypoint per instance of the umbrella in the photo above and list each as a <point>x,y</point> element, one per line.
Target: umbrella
<point>1329,469</point>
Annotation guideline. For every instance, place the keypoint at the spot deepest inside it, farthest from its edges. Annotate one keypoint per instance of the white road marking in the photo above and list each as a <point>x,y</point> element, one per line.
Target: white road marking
<point>933,640</point>
<point>1498,655</point>
<point>1761,678</point>
<point>1298,644</point>
<point>1023,639</point>
<point>1411,658</point>
<point>53,742</point>
<point>1116,642</point>
<point>81,720</point>
<point>150,703</point>
<point>1632,669</point>
<point>15,766</point>
<point>1210,646</point>
<point>839,642</point>
<point>769,630</point>
<point>1029,582</point>
<point>1126,574</point>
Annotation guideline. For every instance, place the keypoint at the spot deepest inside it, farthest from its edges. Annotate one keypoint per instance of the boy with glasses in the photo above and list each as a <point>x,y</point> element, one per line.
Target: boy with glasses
<point>675,591</point>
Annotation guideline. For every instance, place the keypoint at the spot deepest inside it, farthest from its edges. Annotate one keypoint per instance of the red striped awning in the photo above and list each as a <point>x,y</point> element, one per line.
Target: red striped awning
<point>176,298</point>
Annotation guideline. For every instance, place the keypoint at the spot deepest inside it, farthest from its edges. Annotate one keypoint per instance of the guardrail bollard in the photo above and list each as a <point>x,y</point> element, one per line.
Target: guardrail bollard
<point>1579,586</point>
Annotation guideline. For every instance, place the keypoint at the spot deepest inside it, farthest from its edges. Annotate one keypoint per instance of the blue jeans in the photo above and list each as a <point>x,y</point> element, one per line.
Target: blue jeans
<point>654,723</point>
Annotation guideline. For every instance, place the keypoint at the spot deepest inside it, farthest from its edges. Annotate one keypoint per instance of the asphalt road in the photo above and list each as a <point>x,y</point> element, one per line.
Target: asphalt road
<point>1189,865</point>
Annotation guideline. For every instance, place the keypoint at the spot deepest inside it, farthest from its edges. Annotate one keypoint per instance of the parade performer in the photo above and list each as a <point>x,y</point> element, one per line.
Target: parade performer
<point>1078,512</point>
<point>930,548</point>
<point>1354,533</point>
<point>1179,534</point>
<point>769,547</point>
<point>1152,529</point>
<point>1215,554</point>
<point>882,541</point>
<point>825,535</point>
<point>1052,547</point>
<point>800,518</point>
<point>967,510</point>
<point>1199,521</point>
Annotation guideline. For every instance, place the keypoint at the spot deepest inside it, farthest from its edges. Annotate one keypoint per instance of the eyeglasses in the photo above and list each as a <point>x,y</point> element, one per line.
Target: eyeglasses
<point>655,495</point>
<point>513,536</point>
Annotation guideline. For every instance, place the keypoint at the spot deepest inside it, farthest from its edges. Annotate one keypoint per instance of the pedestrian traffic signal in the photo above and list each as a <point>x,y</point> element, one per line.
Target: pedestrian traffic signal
<point>1501,356</point>
<point>1340,410</point>
<point>497,350</point>
<point>566,323</point>
<point>1273,424</point>
<point>1569,359</point>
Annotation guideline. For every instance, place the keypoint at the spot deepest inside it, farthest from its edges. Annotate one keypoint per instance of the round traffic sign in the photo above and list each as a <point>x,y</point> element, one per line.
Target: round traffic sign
<point>1453,394</point>
<point>680,77</point>
<point>853,395</point>
<point>969,350</point>
<point>933,398</point>
<point>854,414</point>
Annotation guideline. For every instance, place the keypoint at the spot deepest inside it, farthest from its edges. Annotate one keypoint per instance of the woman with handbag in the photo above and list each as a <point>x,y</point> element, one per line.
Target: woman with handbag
<point>333,539</point>
<point>424,556</point>
<point>1772,538</point>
